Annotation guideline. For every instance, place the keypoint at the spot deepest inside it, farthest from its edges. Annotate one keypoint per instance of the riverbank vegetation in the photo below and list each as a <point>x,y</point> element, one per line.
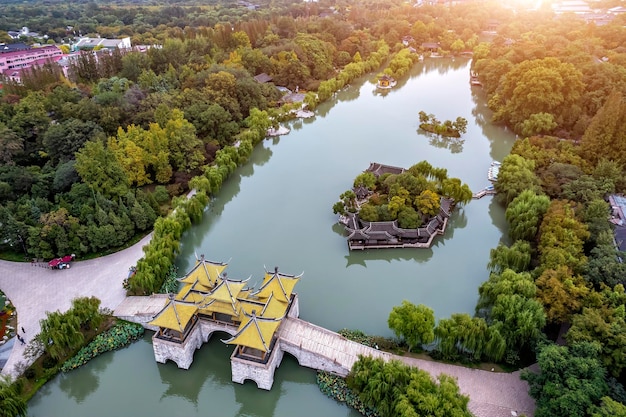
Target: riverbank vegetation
<point>91,161</point>
<point>448,128</point>
<point>65,342</point>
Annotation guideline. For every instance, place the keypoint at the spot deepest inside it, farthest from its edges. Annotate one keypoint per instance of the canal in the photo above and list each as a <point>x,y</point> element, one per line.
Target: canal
<point>277,211</point>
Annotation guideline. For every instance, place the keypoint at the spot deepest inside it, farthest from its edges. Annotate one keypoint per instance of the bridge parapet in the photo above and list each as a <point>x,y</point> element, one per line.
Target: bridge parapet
<point>180,353</point>
<point>261,373</point>
<point>314,360</point>
<point>322,349</point>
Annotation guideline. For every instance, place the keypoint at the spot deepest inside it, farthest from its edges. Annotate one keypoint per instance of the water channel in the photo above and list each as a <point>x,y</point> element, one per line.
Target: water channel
<point>277,211</point>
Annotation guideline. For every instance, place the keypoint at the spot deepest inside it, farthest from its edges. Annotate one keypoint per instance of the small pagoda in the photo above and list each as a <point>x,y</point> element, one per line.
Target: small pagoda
<point>385,82</point>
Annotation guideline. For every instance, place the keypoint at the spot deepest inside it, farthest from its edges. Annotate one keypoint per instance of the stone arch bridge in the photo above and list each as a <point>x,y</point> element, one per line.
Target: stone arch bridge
<point>491,394</point>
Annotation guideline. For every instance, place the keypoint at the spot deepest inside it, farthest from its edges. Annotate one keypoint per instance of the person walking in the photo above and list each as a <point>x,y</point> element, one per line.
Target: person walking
<point>23,331</point>
<point>21,339</point>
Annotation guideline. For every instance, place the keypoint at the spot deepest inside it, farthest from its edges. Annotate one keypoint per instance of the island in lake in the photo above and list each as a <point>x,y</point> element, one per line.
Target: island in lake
<point>393,207</point>
<point>430,123</point>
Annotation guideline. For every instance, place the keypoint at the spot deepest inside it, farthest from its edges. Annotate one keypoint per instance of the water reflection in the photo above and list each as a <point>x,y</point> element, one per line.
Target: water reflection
<point>500,140</point>
<point>499,220</point>
<point>455,145</point>
<point>88,375</point>
<point>190,383</point>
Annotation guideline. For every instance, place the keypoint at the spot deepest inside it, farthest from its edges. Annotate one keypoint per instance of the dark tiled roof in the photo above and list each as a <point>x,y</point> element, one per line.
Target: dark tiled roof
<point>620,238</point>
<point>380,169</point>
<point>361,192</point>
<point>263,78</point>
<point>11,47</point>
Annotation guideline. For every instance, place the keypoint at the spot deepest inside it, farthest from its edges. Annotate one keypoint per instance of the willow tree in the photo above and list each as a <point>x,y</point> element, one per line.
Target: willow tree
<point>413,323</point>
<point>11,402</point>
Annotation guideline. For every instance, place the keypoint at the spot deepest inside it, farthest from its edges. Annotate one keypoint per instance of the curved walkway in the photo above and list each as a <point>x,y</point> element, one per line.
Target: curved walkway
<point>34,290</point>
<point>491,394</point>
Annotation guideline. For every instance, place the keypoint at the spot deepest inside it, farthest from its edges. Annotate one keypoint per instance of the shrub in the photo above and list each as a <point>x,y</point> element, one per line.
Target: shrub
<point>49,362</point>
<point>30,373</point>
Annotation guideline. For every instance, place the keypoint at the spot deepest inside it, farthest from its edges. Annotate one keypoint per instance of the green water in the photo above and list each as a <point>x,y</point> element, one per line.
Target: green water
<point>277,211</point>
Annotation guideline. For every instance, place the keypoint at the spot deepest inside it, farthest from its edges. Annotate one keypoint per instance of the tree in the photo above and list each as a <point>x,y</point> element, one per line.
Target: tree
<point>609,408</point>
<point>562,238</point>
<point>600,138</point>
<point>428,203</point>
<point>60,334</point>
<point>10,144</point>
<point>561,294</point>
<point>63,139</point>
<point>413,323</point>
<point>516,258</point>
<point>603,321</point>
<point>365,179</point>
<point>539,86</point>
<point>605,266</point>
<point>185,149</point>
<point>87,310</point>
<point>570,382</point>
<point>515,176</point>
<point>11,402</point>
<point>395,389</point>
<point>462,335</point>
<point>508,282</point>
<point>522,320</point>
<point>98,168</point>
<point>524,215</point>
<point>538,123</point>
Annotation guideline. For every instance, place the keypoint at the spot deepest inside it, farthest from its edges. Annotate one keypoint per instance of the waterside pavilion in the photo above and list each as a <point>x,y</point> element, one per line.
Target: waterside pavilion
<point>210,302</point>
<point>388,234</point>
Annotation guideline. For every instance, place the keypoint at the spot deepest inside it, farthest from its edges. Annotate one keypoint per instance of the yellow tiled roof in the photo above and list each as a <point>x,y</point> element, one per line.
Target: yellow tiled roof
<point>175,315</point>
<point>255,332</point>
<point>278,284</point>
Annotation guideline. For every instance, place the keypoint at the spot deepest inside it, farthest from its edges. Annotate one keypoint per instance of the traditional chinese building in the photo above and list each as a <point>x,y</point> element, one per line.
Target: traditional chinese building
<point>209,301</point>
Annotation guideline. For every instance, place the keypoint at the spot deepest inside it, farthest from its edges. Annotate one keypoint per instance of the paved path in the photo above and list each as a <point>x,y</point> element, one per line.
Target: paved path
<point>35,290</point>
<point>492,394</point>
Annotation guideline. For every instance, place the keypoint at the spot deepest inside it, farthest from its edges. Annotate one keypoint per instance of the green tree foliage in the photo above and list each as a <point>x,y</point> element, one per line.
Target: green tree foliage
<point>517,257</point>
<point>545,90</point>
<point>98,168</point>
<point>462,335</point>
<point>524,215</point>
<point>538,123</point>
<point>562,238</point>
<point>62,140</point>
<point>11,402</point>
<point>603,136</point>
<point>605,263</point>
<point>395,389</point>
<point>516,175</point>
<point>571,380</point>
<point>508,282</point>
<point>602,321</point>
<point>412,323</point>
<point>365,179</point>
<point>401,63</point>
<point>609,408</point>
<point>61,334</point>
<point>521,320</point>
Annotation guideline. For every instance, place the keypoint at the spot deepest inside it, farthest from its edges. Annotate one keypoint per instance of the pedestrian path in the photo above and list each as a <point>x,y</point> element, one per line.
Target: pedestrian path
<point>35,291</point>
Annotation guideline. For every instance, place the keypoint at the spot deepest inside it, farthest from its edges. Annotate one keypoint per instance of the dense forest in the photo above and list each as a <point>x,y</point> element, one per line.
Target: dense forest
<point>93,160</point>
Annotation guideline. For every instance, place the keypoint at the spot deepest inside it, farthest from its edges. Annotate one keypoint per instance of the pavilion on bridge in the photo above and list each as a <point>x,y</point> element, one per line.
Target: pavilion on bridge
<point>209,301</point>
